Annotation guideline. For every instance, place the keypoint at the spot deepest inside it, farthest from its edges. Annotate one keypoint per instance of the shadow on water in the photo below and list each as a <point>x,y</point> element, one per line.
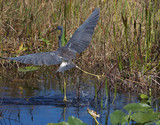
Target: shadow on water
<point>36,98</point>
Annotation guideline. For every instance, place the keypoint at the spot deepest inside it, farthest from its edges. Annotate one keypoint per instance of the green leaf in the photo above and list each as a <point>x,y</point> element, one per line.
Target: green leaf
<point>143,96</point>
<point>158,122</point>
<point>28,69</point>
<point>116,117</point>
<point>144,117</point>
<point>134,107</point>
<point>46,41</point>
<point>63,39</point>
<point>125,119</point>
<point>61,123</point>
<point>75,121</point>
<point>71,121</point>
<point>149,123</point>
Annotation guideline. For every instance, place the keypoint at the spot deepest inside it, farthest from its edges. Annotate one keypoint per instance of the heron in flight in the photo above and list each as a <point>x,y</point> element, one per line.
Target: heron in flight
<point>64,54</point>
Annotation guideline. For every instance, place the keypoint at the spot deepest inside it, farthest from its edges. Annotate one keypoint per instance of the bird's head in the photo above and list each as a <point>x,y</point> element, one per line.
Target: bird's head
<point>59,28</point>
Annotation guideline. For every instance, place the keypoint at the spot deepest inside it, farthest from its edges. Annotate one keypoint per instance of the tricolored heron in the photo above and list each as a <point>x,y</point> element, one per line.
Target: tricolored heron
<point>64,54</point>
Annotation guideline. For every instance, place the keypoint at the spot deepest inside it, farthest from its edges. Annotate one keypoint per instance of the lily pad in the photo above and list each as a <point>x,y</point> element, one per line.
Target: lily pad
<point>71,121</point>
<point>143,96</point>
<point>144,117</point>
<point>135,107</point>
<point>75,121</point>
<point>158,122</point>
<point>116,117</point>
<point>125,119</point>
<point>61,123</point>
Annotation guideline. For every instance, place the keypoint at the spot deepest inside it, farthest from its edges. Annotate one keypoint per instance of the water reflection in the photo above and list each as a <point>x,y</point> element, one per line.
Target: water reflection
<point>36,98</point>
<point>43,114</point>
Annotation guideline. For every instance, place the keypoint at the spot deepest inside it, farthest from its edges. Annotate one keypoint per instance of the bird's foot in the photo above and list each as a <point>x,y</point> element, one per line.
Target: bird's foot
<point>98,76</point>
<point>65,100</point>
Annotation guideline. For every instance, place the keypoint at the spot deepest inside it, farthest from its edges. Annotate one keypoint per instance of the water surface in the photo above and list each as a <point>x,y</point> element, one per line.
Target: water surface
<point>36,98</point>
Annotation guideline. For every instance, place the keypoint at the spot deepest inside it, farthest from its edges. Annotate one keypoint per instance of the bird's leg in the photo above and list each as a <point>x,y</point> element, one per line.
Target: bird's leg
<point>98,76</point>
<point>96,121</point>
<point>65,98</point>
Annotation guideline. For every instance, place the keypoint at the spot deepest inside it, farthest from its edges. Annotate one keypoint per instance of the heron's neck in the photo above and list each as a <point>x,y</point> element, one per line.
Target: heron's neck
<point>60,42</point>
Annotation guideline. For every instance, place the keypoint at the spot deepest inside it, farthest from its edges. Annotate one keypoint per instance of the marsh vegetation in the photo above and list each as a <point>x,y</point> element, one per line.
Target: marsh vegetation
<point>125,47</point>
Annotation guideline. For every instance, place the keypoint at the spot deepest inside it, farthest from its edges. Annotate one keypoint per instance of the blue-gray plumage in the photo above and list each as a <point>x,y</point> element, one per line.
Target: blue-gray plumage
<point>64,55</point>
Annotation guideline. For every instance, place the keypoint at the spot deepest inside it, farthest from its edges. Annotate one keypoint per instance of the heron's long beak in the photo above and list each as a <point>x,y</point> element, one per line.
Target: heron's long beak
<point>53,30</point>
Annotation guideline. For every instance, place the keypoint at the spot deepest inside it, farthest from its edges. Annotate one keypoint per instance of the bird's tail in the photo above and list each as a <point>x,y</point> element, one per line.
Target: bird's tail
<point>66,66</point>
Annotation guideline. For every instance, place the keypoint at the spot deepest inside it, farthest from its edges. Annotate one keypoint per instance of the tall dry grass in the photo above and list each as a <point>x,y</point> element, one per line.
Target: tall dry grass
<point>125,45</point>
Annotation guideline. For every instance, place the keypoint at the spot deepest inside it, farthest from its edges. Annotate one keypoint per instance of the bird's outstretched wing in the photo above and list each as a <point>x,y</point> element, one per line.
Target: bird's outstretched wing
<point>83,35</point>
<point>44,58</point>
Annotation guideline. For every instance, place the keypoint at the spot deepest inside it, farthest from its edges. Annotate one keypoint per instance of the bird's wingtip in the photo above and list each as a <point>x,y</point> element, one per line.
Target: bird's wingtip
<point>96,11</point>
<point>2,58</point>
<point>97,8</point>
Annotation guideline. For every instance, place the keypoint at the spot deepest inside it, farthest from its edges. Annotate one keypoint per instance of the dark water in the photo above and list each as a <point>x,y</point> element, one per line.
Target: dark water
<point>36,98</point>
